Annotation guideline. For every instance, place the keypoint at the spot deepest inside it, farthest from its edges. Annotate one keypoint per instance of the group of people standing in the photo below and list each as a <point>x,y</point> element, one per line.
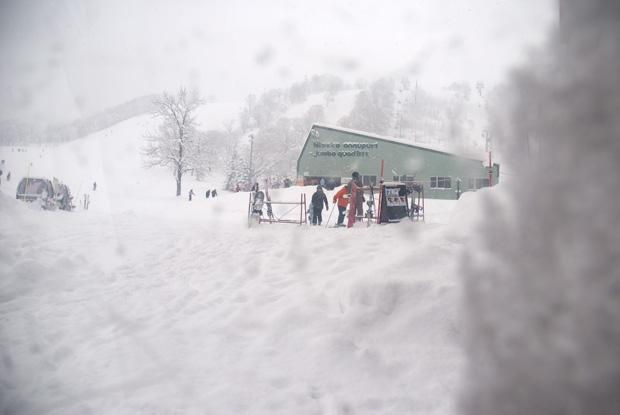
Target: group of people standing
<point>341,199</point>
<point>319,199</point>
<point>209,193</point>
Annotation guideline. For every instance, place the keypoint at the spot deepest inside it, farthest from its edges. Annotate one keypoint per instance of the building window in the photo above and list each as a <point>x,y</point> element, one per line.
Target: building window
<point>441,182</point>
<point>404,178</point>
<point>407,179</point>
<point>367,180</point>
<point>475,183</point>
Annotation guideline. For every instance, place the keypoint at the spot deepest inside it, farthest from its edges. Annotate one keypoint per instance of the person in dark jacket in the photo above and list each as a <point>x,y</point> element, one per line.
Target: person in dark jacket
<point>318,199</point>
<point>359,195</point>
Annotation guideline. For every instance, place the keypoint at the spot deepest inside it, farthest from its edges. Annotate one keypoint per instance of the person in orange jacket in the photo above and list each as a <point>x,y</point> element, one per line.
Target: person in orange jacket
<point>342,198</point>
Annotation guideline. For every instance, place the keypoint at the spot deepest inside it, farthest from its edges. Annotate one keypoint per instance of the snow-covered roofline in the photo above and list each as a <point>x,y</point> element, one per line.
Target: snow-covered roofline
<point>480,158</point>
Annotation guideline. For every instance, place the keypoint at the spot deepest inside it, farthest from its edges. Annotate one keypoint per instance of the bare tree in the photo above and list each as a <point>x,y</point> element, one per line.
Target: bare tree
<point>174,144</point>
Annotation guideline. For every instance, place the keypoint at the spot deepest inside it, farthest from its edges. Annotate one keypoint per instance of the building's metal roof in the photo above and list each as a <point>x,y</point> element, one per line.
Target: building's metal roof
<point>480,157</point>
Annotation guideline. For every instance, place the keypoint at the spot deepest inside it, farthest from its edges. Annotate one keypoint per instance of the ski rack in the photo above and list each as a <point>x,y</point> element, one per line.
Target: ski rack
<point>370,214</point>
<point>273,219</point>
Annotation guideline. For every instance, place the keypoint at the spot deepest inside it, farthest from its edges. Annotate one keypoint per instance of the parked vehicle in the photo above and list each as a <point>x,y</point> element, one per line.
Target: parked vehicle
<point>37,189</point>
<point>63,197</point>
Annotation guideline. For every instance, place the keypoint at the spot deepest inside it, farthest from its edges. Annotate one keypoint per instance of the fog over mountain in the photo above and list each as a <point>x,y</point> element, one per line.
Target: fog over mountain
<point>70,59</point>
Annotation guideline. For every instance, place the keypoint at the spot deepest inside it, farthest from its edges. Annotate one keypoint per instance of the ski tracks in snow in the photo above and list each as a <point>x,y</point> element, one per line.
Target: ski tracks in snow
<point>116,310</point>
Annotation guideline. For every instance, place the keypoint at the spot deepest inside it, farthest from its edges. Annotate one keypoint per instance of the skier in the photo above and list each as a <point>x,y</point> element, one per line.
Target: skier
<point>214,193</point>
<point>94,186</point>
<point>208,193</point>
<point>191,193</point>
<point>342,199</point>
<point>318,198</point>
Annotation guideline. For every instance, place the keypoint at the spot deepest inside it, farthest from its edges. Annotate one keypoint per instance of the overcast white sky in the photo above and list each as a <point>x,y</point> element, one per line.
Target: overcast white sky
<point>68,58</point>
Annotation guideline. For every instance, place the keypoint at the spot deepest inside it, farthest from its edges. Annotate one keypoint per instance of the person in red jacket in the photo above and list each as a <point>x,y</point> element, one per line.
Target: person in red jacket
<point>342,199</point>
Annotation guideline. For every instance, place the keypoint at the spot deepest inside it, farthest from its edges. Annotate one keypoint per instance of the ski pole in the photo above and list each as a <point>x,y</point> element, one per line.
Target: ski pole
<point>77,195</point>
<point>330,216</point>
<point>27,178</point>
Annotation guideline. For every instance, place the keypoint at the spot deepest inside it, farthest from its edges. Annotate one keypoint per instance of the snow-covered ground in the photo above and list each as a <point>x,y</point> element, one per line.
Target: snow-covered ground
<point>148,303</point>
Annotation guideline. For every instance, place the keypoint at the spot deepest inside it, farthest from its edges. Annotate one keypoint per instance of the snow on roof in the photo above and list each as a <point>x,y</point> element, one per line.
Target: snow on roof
<point>469,155</point>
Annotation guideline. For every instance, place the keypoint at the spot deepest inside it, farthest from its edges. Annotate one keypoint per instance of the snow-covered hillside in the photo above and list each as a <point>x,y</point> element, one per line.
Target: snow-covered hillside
<point>212,116</point>
<point>148,303</point>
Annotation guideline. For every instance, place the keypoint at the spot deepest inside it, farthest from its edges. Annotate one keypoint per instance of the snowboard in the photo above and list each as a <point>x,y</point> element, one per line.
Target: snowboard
<point>257,208</point>
<point>310,213</point>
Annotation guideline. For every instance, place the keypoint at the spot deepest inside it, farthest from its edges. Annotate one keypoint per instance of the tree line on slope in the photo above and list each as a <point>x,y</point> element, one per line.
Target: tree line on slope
<point>385,107</point>
<point>262,142</point>
<point>178,144</point>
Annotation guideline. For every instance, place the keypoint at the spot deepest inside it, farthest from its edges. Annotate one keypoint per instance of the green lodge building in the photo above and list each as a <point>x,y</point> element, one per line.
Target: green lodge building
<point>333,153</point>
